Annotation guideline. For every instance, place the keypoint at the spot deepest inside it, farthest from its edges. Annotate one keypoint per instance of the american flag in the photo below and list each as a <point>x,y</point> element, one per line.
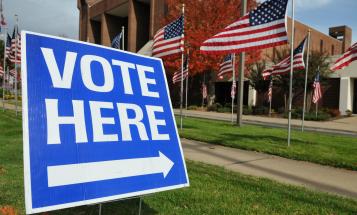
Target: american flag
<point>177,75</point>
<point>8,46</point>
<point>270,91</point>
<point>1,71</point>
<point>169,39</point>
<point>284,66</point>
<point>15,46</point>
<point>2,18</point>
<point>12,72</point>
<point>204,91</point>
<point>317,89</point>
<point>346,59</point>
<point>116,41</point>
<point>233,90</point>
<point>226,66</point>
<point>261,28</point>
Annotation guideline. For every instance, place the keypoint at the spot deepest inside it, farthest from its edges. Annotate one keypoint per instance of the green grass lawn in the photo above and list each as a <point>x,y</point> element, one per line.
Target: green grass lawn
<point>213,190</point>
<point>333,150</point>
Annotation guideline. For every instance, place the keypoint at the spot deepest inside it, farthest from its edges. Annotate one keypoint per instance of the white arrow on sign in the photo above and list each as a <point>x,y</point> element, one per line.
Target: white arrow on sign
<point>97,171</point>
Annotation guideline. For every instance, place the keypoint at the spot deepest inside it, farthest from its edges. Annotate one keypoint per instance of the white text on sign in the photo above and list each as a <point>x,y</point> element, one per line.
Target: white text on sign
<point>64,81</point>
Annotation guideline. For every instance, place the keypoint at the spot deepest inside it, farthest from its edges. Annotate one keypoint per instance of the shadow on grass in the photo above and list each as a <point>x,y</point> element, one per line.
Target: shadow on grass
<point>228,137</point>
<point>128,206</point>
<point>188,126</point>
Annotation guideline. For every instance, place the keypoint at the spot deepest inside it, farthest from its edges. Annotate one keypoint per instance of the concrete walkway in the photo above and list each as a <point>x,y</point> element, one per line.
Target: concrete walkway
<point>347,126</point>
<point>321,178</point>
<point>8,106</point>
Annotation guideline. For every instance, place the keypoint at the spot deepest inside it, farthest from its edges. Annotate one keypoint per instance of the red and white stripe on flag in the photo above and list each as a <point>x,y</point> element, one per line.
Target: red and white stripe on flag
<point>317,93</point>
<point>169,39</point>
<point>1,71</point>
<point>226,66</point>
<point>12,72</point>
<point>347,58</point>
<point>261,28</point>
<point>15,51</point>
<point>284,66</point>
<point>233,90</point>
<point>270,91</point>
<point>178,76</point>
<point>204,91</point>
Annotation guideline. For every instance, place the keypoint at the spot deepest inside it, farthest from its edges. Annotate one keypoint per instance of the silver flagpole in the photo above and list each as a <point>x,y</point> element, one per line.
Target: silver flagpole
<point>16,44</point>
<point>291,70</point>
<point>203,83</point>
<point>270,97</point>
<point>241,75</point>
<point>182,59</point>
<point>188,54</point>
<point>122,37</point>
<point>233,82</point>
<point>317,102</point>
<point>4,68</point>
<point>306,75</point>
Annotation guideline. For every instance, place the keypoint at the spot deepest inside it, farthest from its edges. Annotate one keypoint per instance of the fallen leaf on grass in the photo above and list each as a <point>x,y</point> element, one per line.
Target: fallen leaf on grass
<point>2,170</point>
<point>7,210</point>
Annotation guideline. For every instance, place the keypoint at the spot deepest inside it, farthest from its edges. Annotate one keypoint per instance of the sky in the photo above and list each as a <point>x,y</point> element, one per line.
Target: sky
<point>54,17</point>
<point>323,14</point>
<point>60,17</point>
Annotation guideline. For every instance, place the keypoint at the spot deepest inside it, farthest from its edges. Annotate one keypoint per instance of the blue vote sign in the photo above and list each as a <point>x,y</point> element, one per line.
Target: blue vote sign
<point>98,125</point>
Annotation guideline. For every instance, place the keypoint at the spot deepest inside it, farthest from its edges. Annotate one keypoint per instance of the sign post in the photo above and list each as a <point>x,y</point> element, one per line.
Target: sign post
<point>98,125</point>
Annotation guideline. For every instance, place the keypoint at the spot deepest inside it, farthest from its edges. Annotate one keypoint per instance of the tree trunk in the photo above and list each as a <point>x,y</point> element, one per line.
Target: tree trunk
<point>211,88</point>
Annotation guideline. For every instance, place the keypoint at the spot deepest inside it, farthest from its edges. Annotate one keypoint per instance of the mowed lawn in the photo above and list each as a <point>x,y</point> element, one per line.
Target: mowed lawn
<point>326,149</point>
<point>213,190</point>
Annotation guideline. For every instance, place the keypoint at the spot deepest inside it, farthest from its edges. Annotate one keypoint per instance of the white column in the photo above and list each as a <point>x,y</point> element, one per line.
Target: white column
<point>252,97</point>
<point>346,94</point>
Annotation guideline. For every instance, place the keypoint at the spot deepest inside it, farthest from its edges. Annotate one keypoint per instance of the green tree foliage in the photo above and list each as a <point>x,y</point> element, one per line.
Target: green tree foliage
<point>316,60</point>
<point>256,77</point>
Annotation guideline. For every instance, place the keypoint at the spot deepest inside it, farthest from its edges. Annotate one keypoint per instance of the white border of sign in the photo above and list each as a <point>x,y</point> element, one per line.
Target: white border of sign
<point>26,146</point>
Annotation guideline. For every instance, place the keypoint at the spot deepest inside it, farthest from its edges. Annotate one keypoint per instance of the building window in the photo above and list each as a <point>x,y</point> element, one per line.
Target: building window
<point>321,46</point>
<point>333,50</point>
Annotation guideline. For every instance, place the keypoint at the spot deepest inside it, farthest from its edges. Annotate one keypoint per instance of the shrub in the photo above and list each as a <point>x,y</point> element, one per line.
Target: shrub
<point>349,113</point>
<point>334,112</point>
<point>247,110</point>
<point>224,110</point>
<point>321,116</point>
<point>281,110</point>
<point>261,110</point>
<point>9,97</point>
<point>310,116</point>
<point>228,105</point>
<point>192,107</point>
<point>214,107</point>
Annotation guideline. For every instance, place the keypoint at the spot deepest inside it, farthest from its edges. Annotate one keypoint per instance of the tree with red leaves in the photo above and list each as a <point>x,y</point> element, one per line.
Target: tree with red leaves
<point>203,19</point>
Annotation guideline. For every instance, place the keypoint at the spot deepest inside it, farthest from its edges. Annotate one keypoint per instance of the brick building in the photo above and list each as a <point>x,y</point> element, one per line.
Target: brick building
<point>334,44</point>
<point>101,20</point>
